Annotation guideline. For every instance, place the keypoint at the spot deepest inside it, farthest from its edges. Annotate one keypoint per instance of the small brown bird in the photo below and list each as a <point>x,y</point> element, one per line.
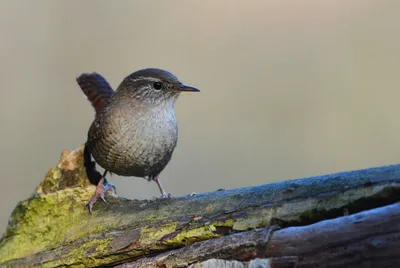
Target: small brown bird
<point>135,130</point>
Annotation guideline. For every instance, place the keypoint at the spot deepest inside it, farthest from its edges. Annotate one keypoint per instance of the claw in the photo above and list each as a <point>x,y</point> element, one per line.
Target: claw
<point>89,204</point>
<point>99,193</point>
<point>165,195</point>
<point>113,186</point>
<point>102,197</point>
<point>163,192</point>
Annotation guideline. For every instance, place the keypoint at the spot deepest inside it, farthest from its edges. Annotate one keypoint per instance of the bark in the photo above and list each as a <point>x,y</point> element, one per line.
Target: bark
<point>365,239</point>
<point>300,222</point>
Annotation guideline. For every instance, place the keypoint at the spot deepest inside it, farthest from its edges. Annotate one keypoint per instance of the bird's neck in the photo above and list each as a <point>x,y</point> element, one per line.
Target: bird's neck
<point>162,106</point>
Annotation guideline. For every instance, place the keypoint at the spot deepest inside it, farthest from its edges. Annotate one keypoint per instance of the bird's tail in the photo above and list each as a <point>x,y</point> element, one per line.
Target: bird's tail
<point>96,89</point>
<point>92,173</point>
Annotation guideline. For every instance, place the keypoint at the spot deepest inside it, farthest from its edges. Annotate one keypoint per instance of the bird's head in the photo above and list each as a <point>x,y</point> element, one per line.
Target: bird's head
<point>153,86</point>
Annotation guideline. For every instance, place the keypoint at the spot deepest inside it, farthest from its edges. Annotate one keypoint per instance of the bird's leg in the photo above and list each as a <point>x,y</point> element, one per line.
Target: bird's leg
<point>162,191</point>
<point>101,188</point>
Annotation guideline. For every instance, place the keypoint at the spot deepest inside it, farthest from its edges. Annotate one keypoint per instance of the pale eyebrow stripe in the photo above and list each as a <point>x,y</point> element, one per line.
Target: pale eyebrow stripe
<point>148,78</point>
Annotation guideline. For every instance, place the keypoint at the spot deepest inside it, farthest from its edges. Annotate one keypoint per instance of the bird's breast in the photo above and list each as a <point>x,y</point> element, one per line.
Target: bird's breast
<point>139,143</point>
<point>153,135</point>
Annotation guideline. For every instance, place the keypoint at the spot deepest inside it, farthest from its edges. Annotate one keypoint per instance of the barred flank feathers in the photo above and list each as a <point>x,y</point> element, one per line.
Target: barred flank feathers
<point>96,89</point>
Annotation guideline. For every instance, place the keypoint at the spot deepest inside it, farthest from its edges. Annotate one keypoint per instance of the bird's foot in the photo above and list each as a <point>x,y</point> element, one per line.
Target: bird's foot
<point>165,195</point>
<point>99,193</point>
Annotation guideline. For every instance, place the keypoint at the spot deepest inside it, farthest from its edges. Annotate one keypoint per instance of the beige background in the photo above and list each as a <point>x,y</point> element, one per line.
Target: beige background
<point>289,88</point>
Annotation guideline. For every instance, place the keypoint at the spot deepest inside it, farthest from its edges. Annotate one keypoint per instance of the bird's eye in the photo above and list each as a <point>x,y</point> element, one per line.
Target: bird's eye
<point>157,85</point>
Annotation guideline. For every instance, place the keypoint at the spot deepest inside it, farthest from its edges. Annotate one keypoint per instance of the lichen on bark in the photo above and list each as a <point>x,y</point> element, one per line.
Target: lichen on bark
<point>53,229</point>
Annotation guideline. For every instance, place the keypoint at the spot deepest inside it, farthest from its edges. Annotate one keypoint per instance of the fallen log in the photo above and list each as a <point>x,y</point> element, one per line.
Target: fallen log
<point>366,239</point>
<point>52,228</point>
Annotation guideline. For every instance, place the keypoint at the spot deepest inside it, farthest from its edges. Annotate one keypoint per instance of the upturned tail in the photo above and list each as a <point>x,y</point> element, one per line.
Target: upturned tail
<point>96,89</point>
<point>98,92</point>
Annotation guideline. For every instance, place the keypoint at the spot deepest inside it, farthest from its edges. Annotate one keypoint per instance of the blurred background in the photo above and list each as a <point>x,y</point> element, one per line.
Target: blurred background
<point>288,88</point>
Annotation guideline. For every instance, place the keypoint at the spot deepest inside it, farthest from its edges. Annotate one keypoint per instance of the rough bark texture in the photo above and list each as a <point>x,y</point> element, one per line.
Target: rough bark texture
<point>52,228</point>
<point>370,238</point>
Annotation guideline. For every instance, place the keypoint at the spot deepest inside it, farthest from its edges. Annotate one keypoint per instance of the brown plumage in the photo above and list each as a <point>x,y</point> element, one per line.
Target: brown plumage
<point>135,130</point>
<point>96,89</point>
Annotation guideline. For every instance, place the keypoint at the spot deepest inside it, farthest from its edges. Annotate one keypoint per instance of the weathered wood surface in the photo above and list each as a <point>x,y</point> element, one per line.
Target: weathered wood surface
<point>366,239</point>
<point>52,228</point>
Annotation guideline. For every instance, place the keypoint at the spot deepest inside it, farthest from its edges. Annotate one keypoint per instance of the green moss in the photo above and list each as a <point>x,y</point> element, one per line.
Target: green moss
<point>51,181</point>
<point>228,223</point>
<point>193,235</point>
<point>93,248</point>
<point>199,234</point>
<point>151,235</point>
<point>54,224</point>
<point>152,218</point>
<point>69,173</point>
<point>79,257</point>
<point>45,222</point>
<point>249,223</point>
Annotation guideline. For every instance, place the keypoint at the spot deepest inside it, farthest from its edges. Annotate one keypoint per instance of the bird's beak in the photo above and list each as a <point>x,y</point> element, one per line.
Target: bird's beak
<point>183,87</point>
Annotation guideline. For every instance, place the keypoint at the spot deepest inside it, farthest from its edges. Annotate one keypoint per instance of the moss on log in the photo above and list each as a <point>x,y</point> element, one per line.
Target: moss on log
<point>365,239</point>
<point>52,228</point>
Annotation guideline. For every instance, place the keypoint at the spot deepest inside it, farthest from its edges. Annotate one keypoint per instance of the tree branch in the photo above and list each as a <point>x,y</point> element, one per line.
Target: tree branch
<point>365,239</point>
<point>52,228</point>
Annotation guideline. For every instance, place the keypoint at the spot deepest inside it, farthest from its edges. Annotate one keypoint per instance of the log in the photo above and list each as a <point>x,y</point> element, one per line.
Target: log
<point>366,239</point>
<point>52,228</point>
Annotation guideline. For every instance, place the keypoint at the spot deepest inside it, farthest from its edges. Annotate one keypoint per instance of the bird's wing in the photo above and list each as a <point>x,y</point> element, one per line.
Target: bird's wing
<point>96,89</point>
<point>108,132</point>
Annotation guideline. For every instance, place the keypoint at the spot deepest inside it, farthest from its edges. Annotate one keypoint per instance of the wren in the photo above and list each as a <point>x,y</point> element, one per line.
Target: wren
<point>135,130</point>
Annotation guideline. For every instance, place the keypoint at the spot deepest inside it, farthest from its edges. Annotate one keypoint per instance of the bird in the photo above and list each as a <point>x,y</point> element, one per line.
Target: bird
<point>135,130</point>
